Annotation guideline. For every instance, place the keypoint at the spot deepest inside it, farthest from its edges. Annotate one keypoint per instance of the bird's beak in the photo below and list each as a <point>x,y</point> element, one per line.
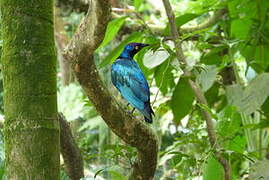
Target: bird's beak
<point>144,45</point>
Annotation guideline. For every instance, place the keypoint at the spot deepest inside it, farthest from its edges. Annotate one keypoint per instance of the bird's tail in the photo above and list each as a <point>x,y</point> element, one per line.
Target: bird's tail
<point>148,112</point>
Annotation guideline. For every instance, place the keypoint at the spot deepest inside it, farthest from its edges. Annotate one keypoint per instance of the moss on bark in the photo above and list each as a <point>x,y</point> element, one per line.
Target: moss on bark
<point>31,125</point>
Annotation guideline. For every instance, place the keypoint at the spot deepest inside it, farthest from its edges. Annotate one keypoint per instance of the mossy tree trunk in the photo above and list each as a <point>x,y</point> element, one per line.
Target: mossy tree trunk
<point>31,126</point>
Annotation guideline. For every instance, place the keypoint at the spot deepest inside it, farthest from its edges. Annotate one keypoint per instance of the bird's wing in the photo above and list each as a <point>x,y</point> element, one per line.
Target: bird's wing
<point>131,82</point>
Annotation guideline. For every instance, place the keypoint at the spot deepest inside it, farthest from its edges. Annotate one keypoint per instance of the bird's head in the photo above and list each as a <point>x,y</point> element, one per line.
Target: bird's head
<point>131,49</point>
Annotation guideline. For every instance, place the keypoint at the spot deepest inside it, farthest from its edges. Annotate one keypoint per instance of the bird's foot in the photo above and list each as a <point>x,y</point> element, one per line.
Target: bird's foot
<point>132,111</point>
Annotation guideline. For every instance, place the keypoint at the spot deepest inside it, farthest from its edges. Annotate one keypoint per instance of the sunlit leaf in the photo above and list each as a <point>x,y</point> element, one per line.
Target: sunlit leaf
<point>207,77</point>
<point>240,28</point>
<point>255,94</point>
<point>153,59</point>
<point>259,170</point>
<point>116,175</point>
<point>234,94</point>
<point>230,119</point>
<point>111,31</point>
<point>249,100</point>
<point>137,4</point>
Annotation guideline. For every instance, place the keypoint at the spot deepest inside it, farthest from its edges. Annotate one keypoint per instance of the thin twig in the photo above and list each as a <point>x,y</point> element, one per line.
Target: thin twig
<point>197,90</point>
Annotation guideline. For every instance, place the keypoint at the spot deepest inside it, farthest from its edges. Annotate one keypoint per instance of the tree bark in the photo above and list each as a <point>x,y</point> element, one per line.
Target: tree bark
<point>134,132</point>
<point>73,161</point>
<point>31,126</point>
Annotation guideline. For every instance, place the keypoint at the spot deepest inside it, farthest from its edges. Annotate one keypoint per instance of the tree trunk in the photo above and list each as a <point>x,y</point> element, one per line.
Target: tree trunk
<point>29,70</point>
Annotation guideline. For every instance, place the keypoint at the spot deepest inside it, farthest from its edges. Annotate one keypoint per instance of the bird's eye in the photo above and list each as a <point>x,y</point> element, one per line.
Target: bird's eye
<point>136,47</point>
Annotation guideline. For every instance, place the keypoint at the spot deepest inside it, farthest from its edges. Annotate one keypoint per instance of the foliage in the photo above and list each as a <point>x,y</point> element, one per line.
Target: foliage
<point>237,99</point>
<point>237,40</point>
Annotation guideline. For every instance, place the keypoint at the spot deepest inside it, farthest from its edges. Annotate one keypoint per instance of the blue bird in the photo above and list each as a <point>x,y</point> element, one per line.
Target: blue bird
<point>128,78</point>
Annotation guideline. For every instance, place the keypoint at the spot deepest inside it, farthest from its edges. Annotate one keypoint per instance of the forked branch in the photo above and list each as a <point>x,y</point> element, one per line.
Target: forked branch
<point>134,132</point>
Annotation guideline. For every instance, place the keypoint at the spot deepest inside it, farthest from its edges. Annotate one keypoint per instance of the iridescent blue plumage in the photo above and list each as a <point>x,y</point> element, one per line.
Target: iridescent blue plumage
<point>128,78</point>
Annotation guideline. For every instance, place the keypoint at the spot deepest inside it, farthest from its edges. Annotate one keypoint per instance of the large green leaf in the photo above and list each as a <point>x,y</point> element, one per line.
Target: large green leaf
<point>213,56</point>
<point>255,94</point>
<point>207,77</point>
<point>240,28</point>
<point>134,37</point>
<point>212,95</point>
<point>230,119</point>
<point>139,57</point>
<point>111,31</point>
<point>212,169</point>
<point>259,170</point>
<point>237,144</point>
<point>153,59</point>
<point>182,100</point>
<point>252,98</point>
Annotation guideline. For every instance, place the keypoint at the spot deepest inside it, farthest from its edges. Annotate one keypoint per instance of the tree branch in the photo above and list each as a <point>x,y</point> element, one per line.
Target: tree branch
<point>209,22</point>
<point>197,91</point>
<point>73,161</point>
<point>134,132</point>
<point>159,30</point>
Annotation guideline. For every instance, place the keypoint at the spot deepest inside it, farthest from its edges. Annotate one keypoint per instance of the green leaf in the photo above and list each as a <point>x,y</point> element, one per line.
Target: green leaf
<point>213,56</point>
<point>181,20</point>
<point>207,77</point>
<point>234,94</point>
<point>255,94</point>
<point>237,144</point>
<point>262,55</point>
<point>2,169</point>
<point>164,77</point>
<point>230,119</point>
<point>153,59</point>
<point>139,57</point>
<point>113,28</point>
<point>212,169</point>
<point>240,28</point>
<point>134,37</point>
<point>263,7</point>
<point>137,4</point>
<point>116,175</point>
<point>253,97</point>
<point>259,170</point>
<point>265,108</point>
<point>182,99</point>
<point>212,95</point>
